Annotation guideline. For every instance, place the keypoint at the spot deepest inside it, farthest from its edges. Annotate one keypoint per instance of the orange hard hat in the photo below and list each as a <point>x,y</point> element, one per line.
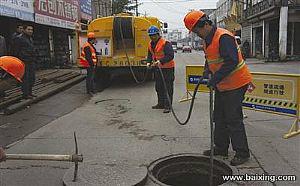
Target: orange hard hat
<point>91,35</point>
<point>13,66</point>
<point>192,18</point>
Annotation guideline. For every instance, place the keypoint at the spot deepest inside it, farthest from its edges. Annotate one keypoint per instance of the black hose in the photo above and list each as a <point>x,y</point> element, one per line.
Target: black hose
<point>128,61</point>
<point>211,102</point>
<point>165,86</point>
<point>192,102</point>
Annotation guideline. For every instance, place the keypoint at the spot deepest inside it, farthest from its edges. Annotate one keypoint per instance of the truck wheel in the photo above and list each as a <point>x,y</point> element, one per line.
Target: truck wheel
<point>150,75</point>
<point>102,79</point>
<point>139,74</point>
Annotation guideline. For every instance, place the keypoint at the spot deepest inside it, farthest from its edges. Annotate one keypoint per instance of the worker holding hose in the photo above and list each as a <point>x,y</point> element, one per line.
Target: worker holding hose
<point>88,60</point>
<point>230,78</point>
<point>161,56</point>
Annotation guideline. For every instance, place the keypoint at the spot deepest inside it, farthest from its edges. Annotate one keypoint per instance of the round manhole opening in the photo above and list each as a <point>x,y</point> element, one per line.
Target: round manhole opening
<point>187,170</point>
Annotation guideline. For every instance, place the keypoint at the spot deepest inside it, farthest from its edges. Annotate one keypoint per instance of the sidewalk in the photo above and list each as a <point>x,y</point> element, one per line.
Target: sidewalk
<point>286,67</point>
<point>261,61</point>
<point>47,83</point>
<point>254,61</point>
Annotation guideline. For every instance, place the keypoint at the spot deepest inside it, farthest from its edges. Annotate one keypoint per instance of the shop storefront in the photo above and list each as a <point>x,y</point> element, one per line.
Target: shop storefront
<point>54,23</point>
<point>59,18</point>
<point>257,40</point>
<point>12,13</point>
<point>293,30</point>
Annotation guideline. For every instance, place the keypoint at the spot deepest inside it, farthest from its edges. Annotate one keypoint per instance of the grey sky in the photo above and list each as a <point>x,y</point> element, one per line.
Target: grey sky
<point>173,11</point>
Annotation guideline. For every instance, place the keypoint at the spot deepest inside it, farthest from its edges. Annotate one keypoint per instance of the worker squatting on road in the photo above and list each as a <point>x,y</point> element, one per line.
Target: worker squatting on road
<point>230,79</point>
<point>161,54</point>
<point>88,60</point>
<point>11,73</point>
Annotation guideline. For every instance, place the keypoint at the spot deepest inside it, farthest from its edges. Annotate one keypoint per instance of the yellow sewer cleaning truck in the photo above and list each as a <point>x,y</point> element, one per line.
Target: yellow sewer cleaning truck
<point>122,44</point>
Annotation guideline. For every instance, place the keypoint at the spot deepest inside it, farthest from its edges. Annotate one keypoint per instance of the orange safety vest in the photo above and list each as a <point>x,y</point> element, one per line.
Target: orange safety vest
<point>158,53</point>
<point>239,77</point>
<point>83,61</point>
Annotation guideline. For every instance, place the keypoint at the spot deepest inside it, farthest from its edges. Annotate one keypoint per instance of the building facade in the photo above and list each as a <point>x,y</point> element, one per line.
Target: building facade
<point>271,26</point>
<point>55,23</point>
<point>101,8</point>
<point>174,35</point>
<point>226,15</point>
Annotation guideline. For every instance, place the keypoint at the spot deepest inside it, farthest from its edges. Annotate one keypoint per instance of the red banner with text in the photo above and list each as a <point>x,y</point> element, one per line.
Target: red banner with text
<point>59,13</point>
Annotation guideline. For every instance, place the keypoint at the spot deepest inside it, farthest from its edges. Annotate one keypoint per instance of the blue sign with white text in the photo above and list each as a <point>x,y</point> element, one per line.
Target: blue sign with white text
<point>194,79</point>
<point>22,9</point>
<point>86,9</point>
<point>270,108</point>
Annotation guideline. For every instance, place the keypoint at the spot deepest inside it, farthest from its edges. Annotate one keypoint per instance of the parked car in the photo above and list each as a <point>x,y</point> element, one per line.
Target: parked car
<point>199,47</point>
<point>187,49</point>
<point>179,46</point>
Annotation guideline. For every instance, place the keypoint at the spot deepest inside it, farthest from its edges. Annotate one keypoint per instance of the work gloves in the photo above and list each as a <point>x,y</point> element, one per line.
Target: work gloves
<point>154,64</point>
<point>211,83</point>
<point>207,75</point>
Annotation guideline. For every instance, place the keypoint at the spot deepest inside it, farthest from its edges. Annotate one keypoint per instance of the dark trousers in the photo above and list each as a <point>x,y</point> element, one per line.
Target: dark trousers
<point>168,74</point>
<point>90,79</point>
<point>228,117</point>
<point>28,79</point>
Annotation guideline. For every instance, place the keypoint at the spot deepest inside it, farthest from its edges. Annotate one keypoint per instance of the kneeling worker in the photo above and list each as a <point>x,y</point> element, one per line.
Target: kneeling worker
<point>161,55</point>
<point>11,73</point>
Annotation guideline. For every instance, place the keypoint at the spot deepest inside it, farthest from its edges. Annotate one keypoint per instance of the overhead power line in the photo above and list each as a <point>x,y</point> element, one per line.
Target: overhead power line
<point>168,8</point>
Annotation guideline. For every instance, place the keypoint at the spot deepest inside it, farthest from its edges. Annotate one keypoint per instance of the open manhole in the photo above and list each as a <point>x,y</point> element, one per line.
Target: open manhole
<point>187,170</point>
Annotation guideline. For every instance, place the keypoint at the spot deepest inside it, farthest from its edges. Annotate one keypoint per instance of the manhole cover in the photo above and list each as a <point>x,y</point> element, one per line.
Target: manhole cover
<point>187,170</point>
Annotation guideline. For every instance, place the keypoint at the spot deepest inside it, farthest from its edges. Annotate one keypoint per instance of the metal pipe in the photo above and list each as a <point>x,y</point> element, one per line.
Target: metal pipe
<point>211,120</point>
<point>48,157</point>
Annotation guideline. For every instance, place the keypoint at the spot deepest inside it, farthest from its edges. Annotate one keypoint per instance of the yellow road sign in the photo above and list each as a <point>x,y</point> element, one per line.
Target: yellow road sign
<point>193,74</point>
<point>274,93</point>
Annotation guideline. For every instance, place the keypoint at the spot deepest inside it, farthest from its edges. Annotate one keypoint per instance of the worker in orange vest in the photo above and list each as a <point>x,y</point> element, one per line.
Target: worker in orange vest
<point>230,78</point>
<point>11,72</point>
<point>88,60</point>
<point>161,55</point>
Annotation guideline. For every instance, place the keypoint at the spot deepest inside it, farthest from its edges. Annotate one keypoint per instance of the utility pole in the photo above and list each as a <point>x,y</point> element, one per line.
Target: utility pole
<point>136,8</point>
<point>99,9</point>
<point>112,7</point>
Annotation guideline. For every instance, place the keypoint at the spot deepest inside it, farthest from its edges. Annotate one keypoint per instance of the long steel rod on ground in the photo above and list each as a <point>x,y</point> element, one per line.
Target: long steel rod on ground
<point>48,157</point>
